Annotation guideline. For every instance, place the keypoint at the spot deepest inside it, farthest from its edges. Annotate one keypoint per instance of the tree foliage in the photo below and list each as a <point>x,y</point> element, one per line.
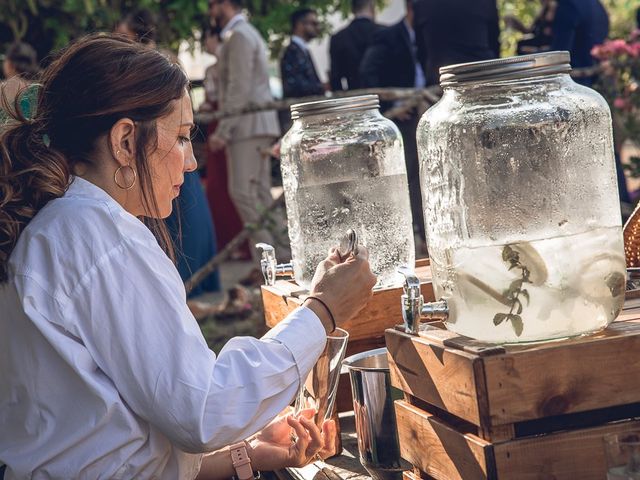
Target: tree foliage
<point>51,24</point>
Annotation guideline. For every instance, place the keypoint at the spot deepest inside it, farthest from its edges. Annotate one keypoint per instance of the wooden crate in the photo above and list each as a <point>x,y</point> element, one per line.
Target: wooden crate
<point>477,411</point>
<point>366,331</point>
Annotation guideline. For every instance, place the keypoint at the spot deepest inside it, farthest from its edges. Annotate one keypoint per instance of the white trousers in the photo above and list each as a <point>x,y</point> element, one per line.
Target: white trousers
<point>250,183</point>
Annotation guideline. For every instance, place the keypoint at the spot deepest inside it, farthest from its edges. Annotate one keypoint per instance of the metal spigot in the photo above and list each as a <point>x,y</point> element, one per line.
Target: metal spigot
<point>414,306</point>
<point>271,270</point>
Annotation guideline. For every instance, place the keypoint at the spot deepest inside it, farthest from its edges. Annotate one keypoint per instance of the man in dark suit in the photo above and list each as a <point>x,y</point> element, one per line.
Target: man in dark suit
<point>578,26</point>
<point>394,60</point>
<point>348,46</point>
<point>299,76</point>
<point>456,31</point>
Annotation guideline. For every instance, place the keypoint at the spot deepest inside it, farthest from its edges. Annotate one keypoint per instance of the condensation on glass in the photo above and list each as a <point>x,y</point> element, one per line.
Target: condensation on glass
<point>520,201</point>
<point>343,167</point>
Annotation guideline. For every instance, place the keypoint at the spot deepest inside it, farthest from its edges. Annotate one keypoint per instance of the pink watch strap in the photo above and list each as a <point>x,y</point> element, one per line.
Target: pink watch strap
<point>241,461</point>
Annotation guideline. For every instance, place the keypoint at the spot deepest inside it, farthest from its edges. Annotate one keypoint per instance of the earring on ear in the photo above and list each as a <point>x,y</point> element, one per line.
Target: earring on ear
<point>119,171</point>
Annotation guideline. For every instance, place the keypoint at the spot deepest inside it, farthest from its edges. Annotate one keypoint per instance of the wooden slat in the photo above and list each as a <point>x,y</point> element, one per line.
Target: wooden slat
<point>436,374</point>
<point>561,456</point>
<point>566,377</point>
<point>383,311</point>
<point>277,302</point>
<point>440,450</point>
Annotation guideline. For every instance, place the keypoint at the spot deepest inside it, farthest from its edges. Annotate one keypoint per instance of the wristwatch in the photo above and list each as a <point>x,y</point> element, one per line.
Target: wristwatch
<point>241,461</point>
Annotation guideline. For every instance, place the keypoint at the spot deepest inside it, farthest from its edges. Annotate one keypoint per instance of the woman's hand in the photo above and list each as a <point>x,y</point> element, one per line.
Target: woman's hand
<point>273,448</point>
<point>344,286</point>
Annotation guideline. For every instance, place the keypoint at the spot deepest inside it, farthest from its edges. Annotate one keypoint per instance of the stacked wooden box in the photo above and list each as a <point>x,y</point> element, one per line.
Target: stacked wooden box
<point>476,411</point>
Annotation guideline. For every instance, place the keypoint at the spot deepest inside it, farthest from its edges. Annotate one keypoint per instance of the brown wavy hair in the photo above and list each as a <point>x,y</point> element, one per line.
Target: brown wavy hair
<point>91,85</point>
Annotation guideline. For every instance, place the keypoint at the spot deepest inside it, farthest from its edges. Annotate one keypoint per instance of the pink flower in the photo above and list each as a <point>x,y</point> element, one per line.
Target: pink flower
<point>618,46</point>
<point>597,51</point>
<point>634,50</point>
<point>621,103</point>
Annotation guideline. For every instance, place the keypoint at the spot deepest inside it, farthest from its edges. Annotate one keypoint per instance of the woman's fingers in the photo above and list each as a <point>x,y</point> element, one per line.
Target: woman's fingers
<point>363,252</point>
<point>307,412</point>
<point>316,436</point>
<point>299,448</point>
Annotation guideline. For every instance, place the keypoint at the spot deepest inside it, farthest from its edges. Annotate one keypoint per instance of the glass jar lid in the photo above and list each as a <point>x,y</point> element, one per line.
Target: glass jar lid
<point>334,105</point>
<point>548,63</point>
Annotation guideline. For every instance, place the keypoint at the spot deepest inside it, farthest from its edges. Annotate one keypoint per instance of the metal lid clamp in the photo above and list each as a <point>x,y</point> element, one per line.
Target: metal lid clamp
<point>414,306</point>
<point>271,270</point>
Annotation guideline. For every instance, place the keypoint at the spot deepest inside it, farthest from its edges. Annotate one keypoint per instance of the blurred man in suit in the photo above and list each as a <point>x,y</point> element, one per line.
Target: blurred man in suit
<point>578,26</point>
<point>456,31</point>
<point>394,60</point>
<point>299,75</point>
<point>348,46</point>
<point>244,80</point>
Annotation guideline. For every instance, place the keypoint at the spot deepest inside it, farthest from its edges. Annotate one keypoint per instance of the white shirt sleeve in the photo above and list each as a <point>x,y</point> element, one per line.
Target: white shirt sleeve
<point>132,316</point>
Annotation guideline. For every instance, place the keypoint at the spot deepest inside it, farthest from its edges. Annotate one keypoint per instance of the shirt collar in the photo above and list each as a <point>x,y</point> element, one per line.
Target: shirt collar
<point>232,23</point>
<point>300,42</point>
<point>79,187</point>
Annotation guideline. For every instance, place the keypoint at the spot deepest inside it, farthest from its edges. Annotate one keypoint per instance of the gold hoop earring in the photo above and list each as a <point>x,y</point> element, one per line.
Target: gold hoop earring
<point>119,170</point>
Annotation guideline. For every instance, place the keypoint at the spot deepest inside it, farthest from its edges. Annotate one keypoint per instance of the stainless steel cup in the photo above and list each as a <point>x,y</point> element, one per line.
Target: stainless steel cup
<point>375,415</point>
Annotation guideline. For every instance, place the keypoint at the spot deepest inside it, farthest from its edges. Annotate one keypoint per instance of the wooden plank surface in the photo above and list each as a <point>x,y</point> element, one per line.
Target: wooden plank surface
<point>383,311</point>
<point>561,456</point>
<point>436,374</point>
<point>278,302</point>
<point>440,450</point>
<point>566,377</point>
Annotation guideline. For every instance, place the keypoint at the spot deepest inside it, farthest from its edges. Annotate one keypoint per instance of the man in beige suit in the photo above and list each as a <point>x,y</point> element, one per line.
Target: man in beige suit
<point>244,80</point>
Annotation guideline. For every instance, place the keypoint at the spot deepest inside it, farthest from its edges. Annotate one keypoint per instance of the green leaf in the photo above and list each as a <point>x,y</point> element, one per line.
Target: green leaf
<point>519,304</point>
<point>525,294</point>
<point>499,318</point>
<point>515,285</point>
<point>516,322</point>
<point>507,253</point>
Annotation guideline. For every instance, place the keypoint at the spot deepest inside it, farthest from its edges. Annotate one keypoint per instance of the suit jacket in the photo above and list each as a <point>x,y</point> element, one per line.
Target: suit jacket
<point>578,26</point>
<point>390,61</point>
<point>347,48</point>
<point>456,31</point>
<point>299,76</point>
<point>244,80</point>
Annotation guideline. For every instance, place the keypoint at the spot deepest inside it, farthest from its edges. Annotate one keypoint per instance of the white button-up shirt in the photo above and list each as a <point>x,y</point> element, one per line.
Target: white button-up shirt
<point>104,372</point>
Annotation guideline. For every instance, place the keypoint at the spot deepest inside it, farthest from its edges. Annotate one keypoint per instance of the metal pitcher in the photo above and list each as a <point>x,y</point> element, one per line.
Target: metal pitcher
<point>375,415</point>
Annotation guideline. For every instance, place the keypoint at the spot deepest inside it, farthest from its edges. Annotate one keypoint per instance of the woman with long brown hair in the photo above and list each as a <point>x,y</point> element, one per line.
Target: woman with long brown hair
<point>104,372</point>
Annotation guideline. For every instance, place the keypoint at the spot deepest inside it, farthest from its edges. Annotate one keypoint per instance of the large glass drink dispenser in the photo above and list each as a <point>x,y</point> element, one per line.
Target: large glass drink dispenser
<point>520,200</point>
<point>343,168</point>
